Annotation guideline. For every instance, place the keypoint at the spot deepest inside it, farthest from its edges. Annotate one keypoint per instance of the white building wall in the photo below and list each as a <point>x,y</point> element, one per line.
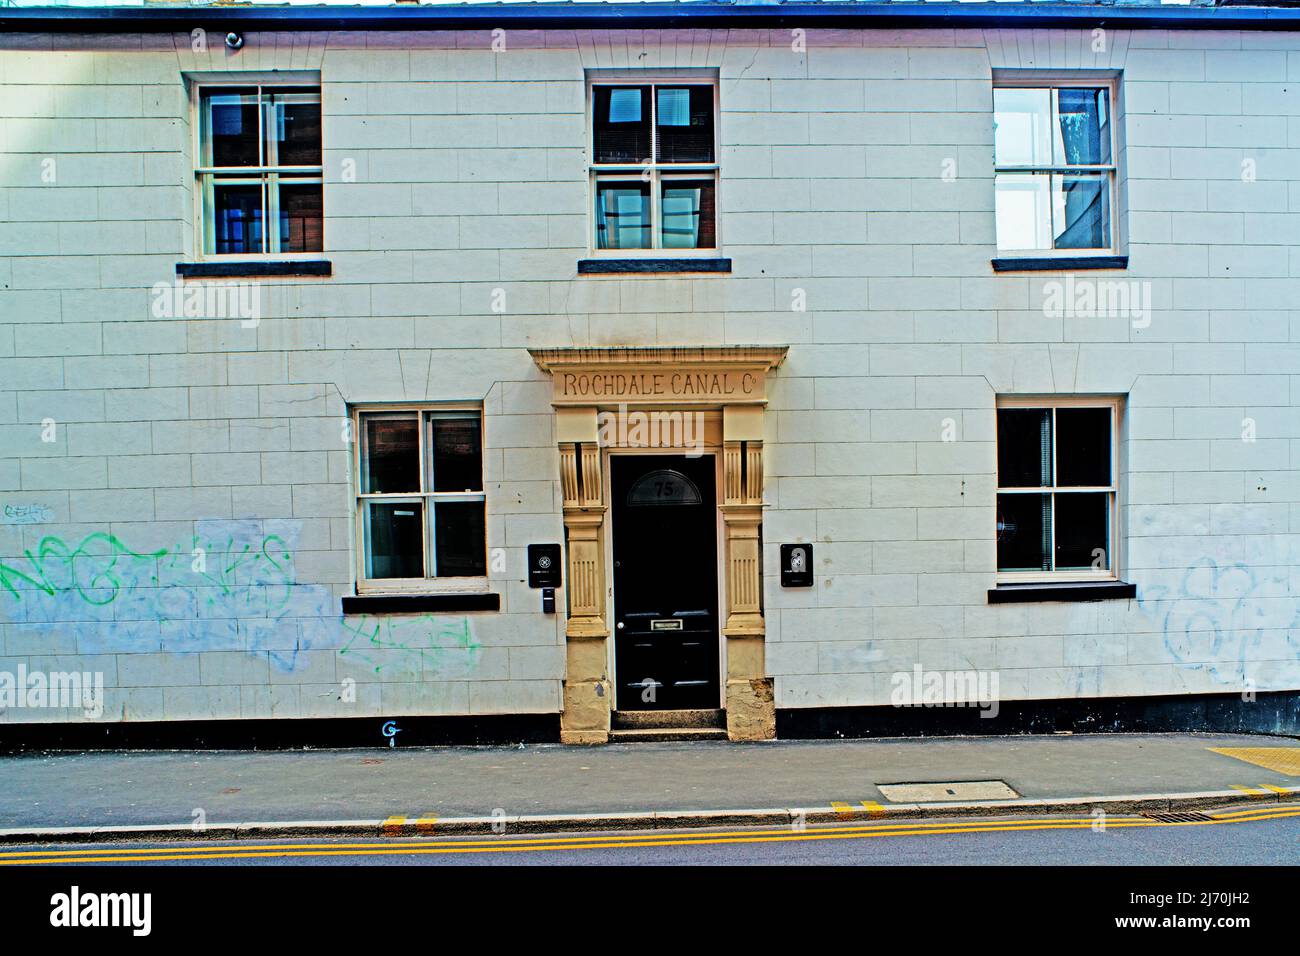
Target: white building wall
<point>174,434</point>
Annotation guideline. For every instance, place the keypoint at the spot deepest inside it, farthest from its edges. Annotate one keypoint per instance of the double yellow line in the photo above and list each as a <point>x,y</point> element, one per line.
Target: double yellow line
<point>612,841</point>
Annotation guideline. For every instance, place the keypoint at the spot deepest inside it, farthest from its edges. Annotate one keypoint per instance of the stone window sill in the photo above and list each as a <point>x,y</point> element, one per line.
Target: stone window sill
<point>215,269</point>
<point>1057,263</point>
<point>1073,591</point>
<point>621,266</point>
<point>420,603</point>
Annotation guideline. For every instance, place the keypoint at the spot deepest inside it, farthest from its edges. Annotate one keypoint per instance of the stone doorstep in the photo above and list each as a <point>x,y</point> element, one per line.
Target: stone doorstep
<point>645,735</point>
<point>646,719</point>
<point>657,726</point>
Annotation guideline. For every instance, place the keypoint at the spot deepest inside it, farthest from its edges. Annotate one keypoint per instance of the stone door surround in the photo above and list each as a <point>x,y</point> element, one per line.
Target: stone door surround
<point>587,381</point>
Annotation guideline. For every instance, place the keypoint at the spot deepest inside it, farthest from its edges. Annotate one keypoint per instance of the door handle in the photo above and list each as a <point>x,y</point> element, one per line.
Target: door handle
<point>620,625</point>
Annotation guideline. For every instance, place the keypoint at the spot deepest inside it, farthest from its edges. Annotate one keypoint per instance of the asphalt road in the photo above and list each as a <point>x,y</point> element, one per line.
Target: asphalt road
<point>1242,836</point>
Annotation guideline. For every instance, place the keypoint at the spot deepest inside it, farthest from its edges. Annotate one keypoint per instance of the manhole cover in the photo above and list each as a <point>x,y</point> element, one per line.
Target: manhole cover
<point>953,790</point>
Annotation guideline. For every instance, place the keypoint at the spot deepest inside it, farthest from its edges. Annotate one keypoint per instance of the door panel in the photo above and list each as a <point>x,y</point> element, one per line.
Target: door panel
<point>664,520</point>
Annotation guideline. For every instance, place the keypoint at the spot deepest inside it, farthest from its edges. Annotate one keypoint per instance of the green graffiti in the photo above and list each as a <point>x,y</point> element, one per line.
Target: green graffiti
<point>94,570</point>
<point>57,568</point>
<point>437,640</point>
<point>206,589</point>
<point>224,577</point>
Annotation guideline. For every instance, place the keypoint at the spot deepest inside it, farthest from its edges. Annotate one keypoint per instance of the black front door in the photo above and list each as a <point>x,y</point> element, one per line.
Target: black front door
<point>664,519</point>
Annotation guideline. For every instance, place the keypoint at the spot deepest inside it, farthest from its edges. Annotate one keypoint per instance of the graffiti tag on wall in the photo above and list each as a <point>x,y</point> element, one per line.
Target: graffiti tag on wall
<point>27,514</point>
<point>233,587</point>
<point>1223,618</point>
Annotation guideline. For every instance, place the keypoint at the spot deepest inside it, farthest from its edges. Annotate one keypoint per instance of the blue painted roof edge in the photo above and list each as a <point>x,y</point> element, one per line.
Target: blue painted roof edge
<point>561,16</point>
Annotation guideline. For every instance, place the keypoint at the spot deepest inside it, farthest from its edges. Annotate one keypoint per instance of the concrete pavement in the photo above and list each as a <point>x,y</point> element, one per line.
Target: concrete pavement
<point>550,787</point>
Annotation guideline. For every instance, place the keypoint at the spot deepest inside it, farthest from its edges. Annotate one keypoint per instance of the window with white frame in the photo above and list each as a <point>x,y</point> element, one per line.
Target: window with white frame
<point>1057,488</point>
<point>259,170</point>
<point>654,169</point>
<point>420,504</point>
<point>1055,155</point>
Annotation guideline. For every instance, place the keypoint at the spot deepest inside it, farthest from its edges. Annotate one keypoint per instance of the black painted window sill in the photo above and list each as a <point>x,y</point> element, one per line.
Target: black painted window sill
<point>420,603</point>
<point>1057,263</point>
<point>216,269</point>
<point>1080,591</point>
<point>684,264</point>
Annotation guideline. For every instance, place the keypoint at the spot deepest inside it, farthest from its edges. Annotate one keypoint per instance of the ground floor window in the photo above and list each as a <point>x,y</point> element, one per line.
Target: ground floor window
<point>420,503</point>
<point>1057,488</point>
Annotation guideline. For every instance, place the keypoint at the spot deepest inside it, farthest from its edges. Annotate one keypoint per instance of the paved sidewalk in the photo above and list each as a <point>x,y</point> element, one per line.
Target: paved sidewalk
<point>647,782</point>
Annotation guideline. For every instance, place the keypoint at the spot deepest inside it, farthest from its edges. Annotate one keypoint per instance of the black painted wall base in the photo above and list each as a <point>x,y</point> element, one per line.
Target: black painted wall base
<point>1272,713</point>
<point>284,734</point>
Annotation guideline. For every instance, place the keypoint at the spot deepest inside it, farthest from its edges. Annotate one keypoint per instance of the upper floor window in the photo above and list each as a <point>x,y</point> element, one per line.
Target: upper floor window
<point>1058,488</point>
<point>654,169</point>
<point>259,169</point>
<point>420,502</point>
<point>1055,157</point>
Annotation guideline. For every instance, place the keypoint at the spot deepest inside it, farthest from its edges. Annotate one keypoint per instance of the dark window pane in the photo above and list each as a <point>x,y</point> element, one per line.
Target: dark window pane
<point>1081,211</point>
<point>622,215</point>
<point>621,124</point>
<point>237,219</point>
<point>684,121</point>
<point>390,456</point>
<point>457,454</point>
<point>1083,446</point>
<point>293,127</point>
<point>1024,447</point>
<point>232,128</point>
<point>394,539</point>
<point>301,217</point>
<point>460,539</point>
<point>1082,531</point>
<point>1024,532</point>
<point>687,214</point>
<point>1084,124</point>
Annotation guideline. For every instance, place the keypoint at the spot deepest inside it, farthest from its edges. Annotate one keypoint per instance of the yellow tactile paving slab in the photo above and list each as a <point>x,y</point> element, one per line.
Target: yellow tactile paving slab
<point>1249,791</point>
<point>1285,760</point>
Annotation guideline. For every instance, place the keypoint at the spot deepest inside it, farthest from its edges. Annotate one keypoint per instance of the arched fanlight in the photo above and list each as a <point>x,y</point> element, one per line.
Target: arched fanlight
<point>664,486</point>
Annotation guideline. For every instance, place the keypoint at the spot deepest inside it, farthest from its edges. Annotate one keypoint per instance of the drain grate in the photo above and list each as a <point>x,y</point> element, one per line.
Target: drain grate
<point>949,790</point>
<point>1184,816</point>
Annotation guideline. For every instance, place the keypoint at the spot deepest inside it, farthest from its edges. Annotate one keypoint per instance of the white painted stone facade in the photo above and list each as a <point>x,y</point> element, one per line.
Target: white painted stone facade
<point>470,177</point>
